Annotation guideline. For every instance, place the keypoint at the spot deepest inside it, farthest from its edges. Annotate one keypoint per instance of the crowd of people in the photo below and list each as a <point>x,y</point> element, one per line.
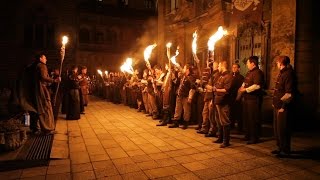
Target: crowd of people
<point>216,97</point>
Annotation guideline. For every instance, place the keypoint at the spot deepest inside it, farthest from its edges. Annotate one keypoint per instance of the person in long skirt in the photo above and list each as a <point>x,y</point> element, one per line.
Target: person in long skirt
<point>73,96</point>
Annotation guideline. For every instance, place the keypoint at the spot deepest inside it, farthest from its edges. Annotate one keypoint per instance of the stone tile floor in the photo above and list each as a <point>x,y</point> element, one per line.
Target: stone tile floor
<point>115,142</point>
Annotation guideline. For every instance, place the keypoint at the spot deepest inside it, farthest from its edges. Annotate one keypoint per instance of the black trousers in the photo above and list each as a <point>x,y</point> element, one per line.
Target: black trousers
<point>252,117</point>
<point>236,114</point>
<point>282,130</point>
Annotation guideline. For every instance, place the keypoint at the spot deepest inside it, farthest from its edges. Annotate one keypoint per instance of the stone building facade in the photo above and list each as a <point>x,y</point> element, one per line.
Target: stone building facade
<point>272,28</point>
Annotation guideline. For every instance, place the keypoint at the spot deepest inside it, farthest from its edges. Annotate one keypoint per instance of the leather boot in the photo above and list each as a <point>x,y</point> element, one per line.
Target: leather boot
<point>165,119</point>
<point>226,136</point>
<point>220,136</point>
<point>174,125</point>
<point>185,125</point>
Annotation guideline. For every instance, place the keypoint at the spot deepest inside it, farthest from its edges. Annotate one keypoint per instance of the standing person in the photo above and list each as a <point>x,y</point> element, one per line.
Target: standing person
<point>34,96</point>
<point>167,95</point>
<point>209,126</point>
<point>252,94</point>
<point>285,88</point>
<point>84,80</point>
<point>222,88</point>
<point>185,94</point>
<point>236,105</point>
<point>152,95</point>
<point>73,95</point>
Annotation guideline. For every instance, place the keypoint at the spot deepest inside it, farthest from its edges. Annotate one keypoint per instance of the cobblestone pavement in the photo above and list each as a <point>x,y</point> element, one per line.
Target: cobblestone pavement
<point>116,142</point>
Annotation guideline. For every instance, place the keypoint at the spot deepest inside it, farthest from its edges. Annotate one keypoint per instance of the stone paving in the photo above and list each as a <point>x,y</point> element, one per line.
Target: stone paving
<point>116,142</point>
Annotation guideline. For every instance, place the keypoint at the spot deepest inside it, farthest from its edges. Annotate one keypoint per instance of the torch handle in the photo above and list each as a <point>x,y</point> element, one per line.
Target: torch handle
<point>60,70</point>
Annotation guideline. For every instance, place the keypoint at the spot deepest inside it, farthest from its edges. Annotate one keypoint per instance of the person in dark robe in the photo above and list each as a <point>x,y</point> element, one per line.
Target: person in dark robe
<point>32,94</point>
<point>73,96</point>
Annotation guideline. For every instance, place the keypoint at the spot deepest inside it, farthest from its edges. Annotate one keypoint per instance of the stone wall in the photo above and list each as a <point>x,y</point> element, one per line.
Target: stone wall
<point>283,33</point>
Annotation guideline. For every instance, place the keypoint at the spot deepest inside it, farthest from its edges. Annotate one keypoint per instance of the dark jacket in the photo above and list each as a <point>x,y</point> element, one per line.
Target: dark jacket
<point>237,80</point>
<point>186,84</point>
<point>254,76</point>
<point>285,83</point>
<point>223,82</point>
<point>211,81</point>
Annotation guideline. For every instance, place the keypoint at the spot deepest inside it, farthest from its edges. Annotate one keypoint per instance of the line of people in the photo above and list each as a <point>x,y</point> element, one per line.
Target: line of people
<point>168,95</point>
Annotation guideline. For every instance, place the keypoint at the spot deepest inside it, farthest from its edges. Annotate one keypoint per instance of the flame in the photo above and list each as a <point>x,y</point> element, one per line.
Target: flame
<point>122,68</point>
<point>173,58</point>
<point>106,73</point>
<point>148,51</point>
<point>127,66</point>
<point>216,37</point>
<point>194,42</point>
<point>169,45</point>
<point>64,40</point>
<point>99,72</point>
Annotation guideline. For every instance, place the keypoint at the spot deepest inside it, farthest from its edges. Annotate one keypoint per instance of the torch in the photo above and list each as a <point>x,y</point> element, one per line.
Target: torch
<point>62,53</point>
<point>194,53</point>
<point>213,39</point>
<point>168,53</point>
<point>173,60</point>
<point>147,54</point>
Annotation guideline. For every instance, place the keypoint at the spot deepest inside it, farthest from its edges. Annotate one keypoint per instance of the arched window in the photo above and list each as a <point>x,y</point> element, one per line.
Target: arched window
<point>111,36</point>
<point>99,37</point>
<point>84,35</point>
<point>39,31</point>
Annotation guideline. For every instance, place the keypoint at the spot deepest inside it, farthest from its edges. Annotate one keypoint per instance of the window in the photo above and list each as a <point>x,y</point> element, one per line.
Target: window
<point>84,36</point>
<point>40,31</point>
<point>171,5</point>
<point>149,4</point>
<point>174,5</point>
<point>99,37</point>
<point>39,35</point>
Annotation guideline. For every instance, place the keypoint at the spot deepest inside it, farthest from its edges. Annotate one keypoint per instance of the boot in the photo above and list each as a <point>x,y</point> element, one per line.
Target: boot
<point>174,125</point>
<point>220,136</point>
<point>226,136</point>
<point>164,120</point>
<point>185,125</point>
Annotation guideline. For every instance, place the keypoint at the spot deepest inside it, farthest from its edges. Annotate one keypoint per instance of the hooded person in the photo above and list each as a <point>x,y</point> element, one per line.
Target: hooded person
<point>31,94</point>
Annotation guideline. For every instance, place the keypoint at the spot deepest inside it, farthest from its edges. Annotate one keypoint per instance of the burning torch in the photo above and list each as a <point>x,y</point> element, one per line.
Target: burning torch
<point>62,53</point>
